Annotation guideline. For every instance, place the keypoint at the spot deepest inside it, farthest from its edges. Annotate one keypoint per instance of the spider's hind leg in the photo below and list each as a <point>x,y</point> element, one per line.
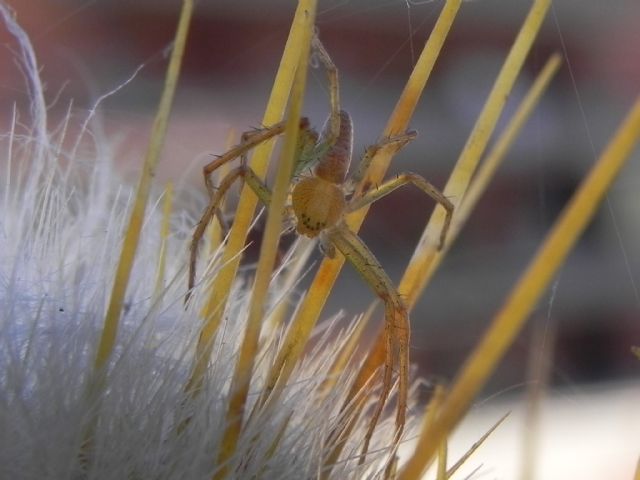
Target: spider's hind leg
<point>397,328</point>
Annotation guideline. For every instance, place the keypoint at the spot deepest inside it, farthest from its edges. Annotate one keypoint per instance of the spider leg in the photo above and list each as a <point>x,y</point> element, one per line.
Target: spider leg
<point>402,179</point>
<point>201,227</point>
<point>259,188</point>
<point>248,141</point>
<point>397,142</point>
<point>331,130</point>
<point>396,323</point>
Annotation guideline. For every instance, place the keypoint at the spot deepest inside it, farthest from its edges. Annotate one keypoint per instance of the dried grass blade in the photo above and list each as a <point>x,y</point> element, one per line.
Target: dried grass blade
<point>303,248</point>
<point>132,235</point>
<point>347,350</point>
<point>526,293</point>
<point>499,151</point>
<point>221,286</point>
<point>249,349</point>
<point>441,473</point>
<point>540,366</point>
<point>414,279</point>
<point>130,243</point>
<point>475,446</point>
<point>425,259</point>
<point>303,323</point>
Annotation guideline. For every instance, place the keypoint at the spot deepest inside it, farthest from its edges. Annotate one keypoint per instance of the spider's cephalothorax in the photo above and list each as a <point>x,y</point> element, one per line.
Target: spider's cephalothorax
<point>319,203</point>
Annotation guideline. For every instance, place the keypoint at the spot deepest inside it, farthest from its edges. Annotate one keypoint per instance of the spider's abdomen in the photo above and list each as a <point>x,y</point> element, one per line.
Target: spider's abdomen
<point>334,165</point>
<point>318,204</point>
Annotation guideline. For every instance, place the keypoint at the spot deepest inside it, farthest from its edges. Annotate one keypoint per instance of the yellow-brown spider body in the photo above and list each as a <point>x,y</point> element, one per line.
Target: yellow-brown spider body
<point>317,204</point>
<point>334,164</point>
<point>318,201</point>
<point>321,196</point>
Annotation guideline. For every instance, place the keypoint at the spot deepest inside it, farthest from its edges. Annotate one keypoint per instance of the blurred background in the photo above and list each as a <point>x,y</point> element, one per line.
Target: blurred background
<point>591,317</point>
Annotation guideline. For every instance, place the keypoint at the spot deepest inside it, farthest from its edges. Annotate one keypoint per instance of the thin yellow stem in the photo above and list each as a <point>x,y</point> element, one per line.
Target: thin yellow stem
<point>539,369</point>
<point>441,473</point>
<point>346,352</point>
<point>219,294</point>
<point>414,279</point>
<point>303,323</point>
<point>302,250</point>
<point>433,407</point>
<point>510,319</point>
<point>249,349</point>
<point>426,258</point>
<point>132,236</point>
<point>497,154</point>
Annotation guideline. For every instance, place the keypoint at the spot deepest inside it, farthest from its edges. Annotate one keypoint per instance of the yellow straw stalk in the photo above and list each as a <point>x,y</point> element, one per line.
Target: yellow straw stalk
<point>249,348</point>
<point>218,296</point>
<point>510,319</point>
<point>415,276</point>
<point>426,256</point>
<point>132,236</point>
<point>303,323</point>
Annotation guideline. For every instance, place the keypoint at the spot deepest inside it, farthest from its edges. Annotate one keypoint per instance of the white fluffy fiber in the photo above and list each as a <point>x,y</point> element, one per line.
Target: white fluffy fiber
<point>62,217</point>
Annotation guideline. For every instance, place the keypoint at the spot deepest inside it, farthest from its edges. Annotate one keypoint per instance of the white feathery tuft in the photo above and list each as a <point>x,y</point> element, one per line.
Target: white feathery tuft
<point>60,233</point>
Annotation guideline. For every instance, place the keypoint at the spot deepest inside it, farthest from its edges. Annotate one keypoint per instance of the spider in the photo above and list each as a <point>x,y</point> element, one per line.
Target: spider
<point>321,196</point>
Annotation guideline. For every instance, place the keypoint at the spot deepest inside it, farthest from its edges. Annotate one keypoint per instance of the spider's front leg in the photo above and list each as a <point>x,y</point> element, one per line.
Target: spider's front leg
<point>369,193</point>
<point>249,140</point>
<point>251,179</point>
<point>397,328</point>
<point>403,179</point>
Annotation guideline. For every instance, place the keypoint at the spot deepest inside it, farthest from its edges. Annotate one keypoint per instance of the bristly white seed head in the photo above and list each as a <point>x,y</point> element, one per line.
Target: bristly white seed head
<point>60,237</point>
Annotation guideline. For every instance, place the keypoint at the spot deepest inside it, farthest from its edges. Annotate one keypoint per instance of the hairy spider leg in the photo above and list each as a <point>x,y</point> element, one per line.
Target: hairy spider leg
<point>249,140</point>
<point>396,323</point>
<point>396,142</point>
<point>403,179</point>
<point>331,129</point>
<point>369,194</point>
<point>259,188</point>
<point>201,227</point>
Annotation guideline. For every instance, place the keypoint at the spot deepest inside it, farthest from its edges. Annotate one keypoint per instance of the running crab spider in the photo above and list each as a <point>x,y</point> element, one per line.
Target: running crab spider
<point>320,198</point>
